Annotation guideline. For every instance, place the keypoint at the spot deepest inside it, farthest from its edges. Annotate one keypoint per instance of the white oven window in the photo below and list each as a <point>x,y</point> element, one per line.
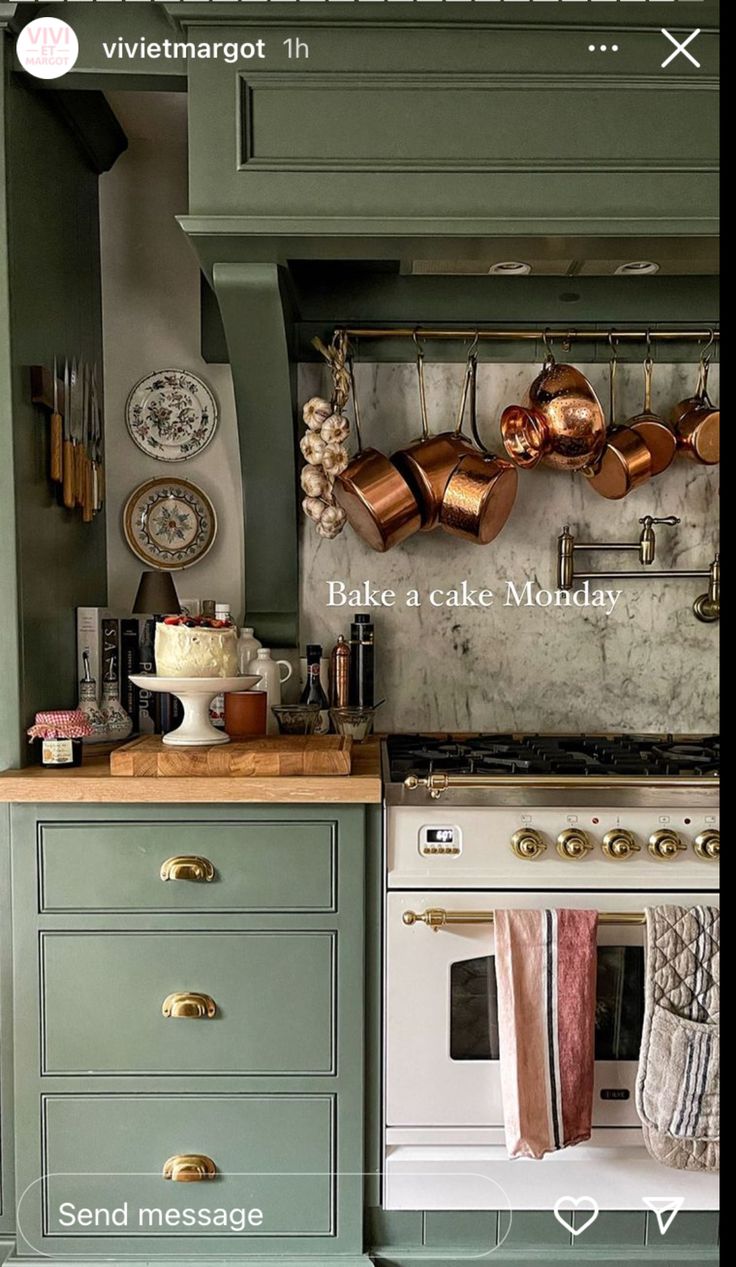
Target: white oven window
<point>619,1006</point>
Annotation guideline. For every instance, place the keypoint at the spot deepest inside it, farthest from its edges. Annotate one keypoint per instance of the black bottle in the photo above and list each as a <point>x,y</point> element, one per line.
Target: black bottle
<point>313,693</point>
<point>361,662</point>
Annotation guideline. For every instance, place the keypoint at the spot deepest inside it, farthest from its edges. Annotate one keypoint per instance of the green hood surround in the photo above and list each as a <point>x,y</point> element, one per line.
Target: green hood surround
<point>374,179</point>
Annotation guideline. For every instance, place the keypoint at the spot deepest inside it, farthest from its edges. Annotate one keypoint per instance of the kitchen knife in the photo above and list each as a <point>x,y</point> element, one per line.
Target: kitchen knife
<point>68,471</point>
<point>88,513</point>
<point>56,457</point>
<point>97,426</point>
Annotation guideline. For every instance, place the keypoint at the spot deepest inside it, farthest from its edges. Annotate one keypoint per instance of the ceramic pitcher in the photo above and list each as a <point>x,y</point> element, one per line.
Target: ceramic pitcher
<point>273,674</point>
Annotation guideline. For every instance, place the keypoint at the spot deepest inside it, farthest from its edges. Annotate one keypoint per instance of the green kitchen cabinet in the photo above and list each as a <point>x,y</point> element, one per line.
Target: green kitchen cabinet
<point>251,919</point>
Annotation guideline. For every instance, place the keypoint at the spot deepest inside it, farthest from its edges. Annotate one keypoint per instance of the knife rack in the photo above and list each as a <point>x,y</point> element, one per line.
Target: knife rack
<point>77,473</point>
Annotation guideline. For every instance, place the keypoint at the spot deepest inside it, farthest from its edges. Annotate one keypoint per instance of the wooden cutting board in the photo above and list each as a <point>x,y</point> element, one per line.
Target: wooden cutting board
<point>149,757</point>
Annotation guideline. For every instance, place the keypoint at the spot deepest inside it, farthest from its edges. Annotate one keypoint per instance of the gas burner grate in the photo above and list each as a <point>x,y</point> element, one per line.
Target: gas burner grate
<point>615,756</point>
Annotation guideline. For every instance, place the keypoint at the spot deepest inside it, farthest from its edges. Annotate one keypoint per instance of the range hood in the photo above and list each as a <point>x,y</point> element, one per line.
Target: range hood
<point>437,164</point>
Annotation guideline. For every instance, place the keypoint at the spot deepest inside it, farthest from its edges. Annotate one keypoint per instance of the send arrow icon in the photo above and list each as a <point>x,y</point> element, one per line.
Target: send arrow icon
<point>665,1209</point>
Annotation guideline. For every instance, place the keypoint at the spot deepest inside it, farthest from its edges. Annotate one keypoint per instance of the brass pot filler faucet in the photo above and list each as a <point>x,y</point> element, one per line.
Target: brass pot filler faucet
<point>707,607</point>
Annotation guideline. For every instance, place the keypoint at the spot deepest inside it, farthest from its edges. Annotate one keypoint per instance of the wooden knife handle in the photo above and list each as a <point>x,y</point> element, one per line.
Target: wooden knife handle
<point>88,509</point>
<point>68,497</point>
<point>56,457</point>
<point>79,474</point>
<point>100,486</point>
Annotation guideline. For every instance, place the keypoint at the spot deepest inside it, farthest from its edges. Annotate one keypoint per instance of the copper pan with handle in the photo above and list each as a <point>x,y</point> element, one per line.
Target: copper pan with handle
<point>379,504</point>
<point>697,422</point>
<point>657,434</point>
<point>626,461</point>
<point>428,463</point>
<point>481,490</point>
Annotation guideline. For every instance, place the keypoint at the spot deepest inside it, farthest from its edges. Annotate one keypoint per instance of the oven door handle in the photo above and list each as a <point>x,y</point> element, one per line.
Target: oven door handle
<point>436,917</point>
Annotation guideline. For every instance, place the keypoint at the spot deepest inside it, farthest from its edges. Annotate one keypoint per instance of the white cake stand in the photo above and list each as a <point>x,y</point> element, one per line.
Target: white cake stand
<point>196,695</point>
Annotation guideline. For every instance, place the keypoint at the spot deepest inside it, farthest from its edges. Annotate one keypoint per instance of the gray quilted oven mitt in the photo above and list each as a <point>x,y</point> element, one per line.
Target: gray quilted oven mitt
<point>678,1084</point>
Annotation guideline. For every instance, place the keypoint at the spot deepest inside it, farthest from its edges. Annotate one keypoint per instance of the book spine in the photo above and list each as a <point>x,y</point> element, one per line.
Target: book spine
<point>129,663</point>
<point>145,699</point>
<point>110,649</point>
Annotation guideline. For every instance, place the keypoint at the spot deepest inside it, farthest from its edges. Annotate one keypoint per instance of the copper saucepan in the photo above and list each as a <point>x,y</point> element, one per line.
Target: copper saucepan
<point>698,423</point>
<point>428,464</point>
<point>657,434</point>
<point>378,503</point>
<point>481,491</point>
<point>626,461</point>
<point>562,424</point>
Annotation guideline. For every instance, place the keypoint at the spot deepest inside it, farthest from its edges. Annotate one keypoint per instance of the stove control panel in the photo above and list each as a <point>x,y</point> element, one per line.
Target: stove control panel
<point>566,848</point>
<point>445,841</point>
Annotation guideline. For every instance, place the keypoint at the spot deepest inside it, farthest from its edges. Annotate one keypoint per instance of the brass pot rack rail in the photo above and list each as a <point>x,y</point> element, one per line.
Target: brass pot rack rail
<point>437,918</point>
<point>562,334</point>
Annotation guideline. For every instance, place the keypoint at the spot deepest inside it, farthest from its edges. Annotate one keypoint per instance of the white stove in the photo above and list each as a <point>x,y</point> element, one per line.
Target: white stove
<point>459,848</point>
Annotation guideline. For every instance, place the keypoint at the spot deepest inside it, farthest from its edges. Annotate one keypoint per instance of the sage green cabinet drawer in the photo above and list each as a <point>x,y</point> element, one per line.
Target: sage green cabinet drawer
<point>224,866</point>
<point>272,1153</point>
<point>272,993</point>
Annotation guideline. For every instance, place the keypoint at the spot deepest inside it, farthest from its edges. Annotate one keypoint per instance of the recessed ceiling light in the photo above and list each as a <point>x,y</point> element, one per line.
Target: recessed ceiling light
<point>640,268</point>
<point>510,268</point>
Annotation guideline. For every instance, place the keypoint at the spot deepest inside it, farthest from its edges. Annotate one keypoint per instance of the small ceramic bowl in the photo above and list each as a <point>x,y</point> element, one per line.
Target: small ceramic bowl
<point>355,723</point>
<point>295,719</point>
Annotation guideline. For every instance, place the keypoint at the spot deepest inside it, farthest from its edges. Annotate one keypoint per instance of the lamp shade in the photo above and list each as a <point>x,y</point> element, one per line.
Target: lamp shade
<point>156,594</point>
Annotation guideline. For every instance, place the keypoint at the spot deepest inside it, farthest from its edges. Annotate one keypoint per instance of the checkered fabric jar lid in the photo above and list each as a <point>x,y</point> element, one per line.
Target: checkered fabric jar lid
<point>60,724</point>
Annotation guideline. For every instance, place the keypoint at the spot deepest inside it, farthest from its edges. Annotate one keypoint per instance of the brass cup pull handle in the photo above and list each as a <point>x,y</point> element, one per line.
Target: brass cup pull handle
<point>188,867</point>
<point>189,1006</point>
<point>189,1168</point>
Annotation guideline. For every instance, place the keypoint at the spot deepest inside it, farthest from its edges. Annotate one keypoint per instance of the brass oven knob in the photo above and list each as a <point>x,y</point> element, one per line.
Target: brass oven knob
<point>573,844</point>
<point>189,1006</point>
<point>528,843</point>
<point>708,845</point>
<point>619,845</point>
<point>665,845</point>
<point>189,1168</point>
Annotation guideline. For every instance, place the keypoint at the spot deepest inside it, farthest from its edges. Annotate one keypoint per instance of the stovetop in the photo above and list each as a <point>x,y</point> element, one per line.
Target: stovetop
<point>528,756</point>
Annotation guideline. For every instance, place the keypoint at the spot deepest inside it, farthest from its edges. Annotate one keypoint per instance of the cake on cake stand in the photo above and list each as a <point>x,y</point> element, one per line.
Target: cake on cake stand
<point>196,695</point>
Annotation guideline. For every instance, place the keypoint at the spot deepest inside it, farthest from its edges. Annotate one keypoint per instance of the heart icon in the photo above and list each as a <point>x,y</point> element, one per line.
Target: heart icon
<point>563,1213</point>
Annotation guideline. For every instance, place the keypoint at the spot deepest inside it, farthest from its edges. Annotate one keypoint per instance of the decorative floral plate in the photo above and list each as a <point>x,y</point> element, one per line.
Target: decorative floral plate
<point>171,415</point>
<point>169,524</point>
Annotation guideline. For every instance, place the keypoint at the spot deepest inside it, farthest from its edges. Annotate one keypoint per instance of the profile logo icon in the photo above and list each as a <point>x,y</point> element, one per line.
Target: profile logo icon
<point>47,48</point>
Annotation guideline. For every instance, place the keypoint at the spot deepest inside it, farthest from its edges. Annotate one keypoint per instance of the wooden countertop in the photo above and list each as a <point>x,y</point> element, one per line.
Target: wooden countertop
<point>93,783</point>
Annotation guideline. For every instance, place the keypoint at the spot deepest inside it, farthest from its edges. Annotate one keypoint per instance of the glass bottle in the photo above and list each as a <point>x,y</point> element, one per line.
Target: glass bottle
<point>248,648</point>
<point>362,662</point>
<point>89,706</point>
<point>217,707</point>
<point>314,693</point>
<point>118,724</point>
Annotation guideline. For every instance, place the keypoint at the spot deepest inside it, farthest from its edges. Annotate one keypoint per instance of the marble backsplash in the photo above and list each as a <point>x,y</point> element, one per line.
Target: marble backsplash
<point>648,666</point>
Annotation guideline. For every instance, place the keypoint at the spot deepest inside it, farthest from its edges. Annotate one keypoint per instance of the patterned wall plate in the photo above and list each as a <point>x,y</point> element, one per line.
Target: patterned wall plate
<point>169,524</point>
<point>171,415</point>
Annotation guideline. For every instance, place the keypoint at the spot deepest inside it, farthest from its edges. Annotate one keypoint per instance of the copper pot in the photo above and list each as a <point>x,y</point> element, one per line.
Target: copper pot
<point>657,434</point>
<point>428,464</point>
<point>378,503</point>
<point>482,488</point>
<point>626,460</point>
<point>562,423</point>
<point>698,423</point>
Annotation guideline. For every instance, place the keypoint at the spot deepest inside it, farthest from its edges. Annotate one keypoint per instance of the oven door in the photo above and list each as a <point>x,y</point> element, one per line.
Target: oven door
<point>441,1018</point>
